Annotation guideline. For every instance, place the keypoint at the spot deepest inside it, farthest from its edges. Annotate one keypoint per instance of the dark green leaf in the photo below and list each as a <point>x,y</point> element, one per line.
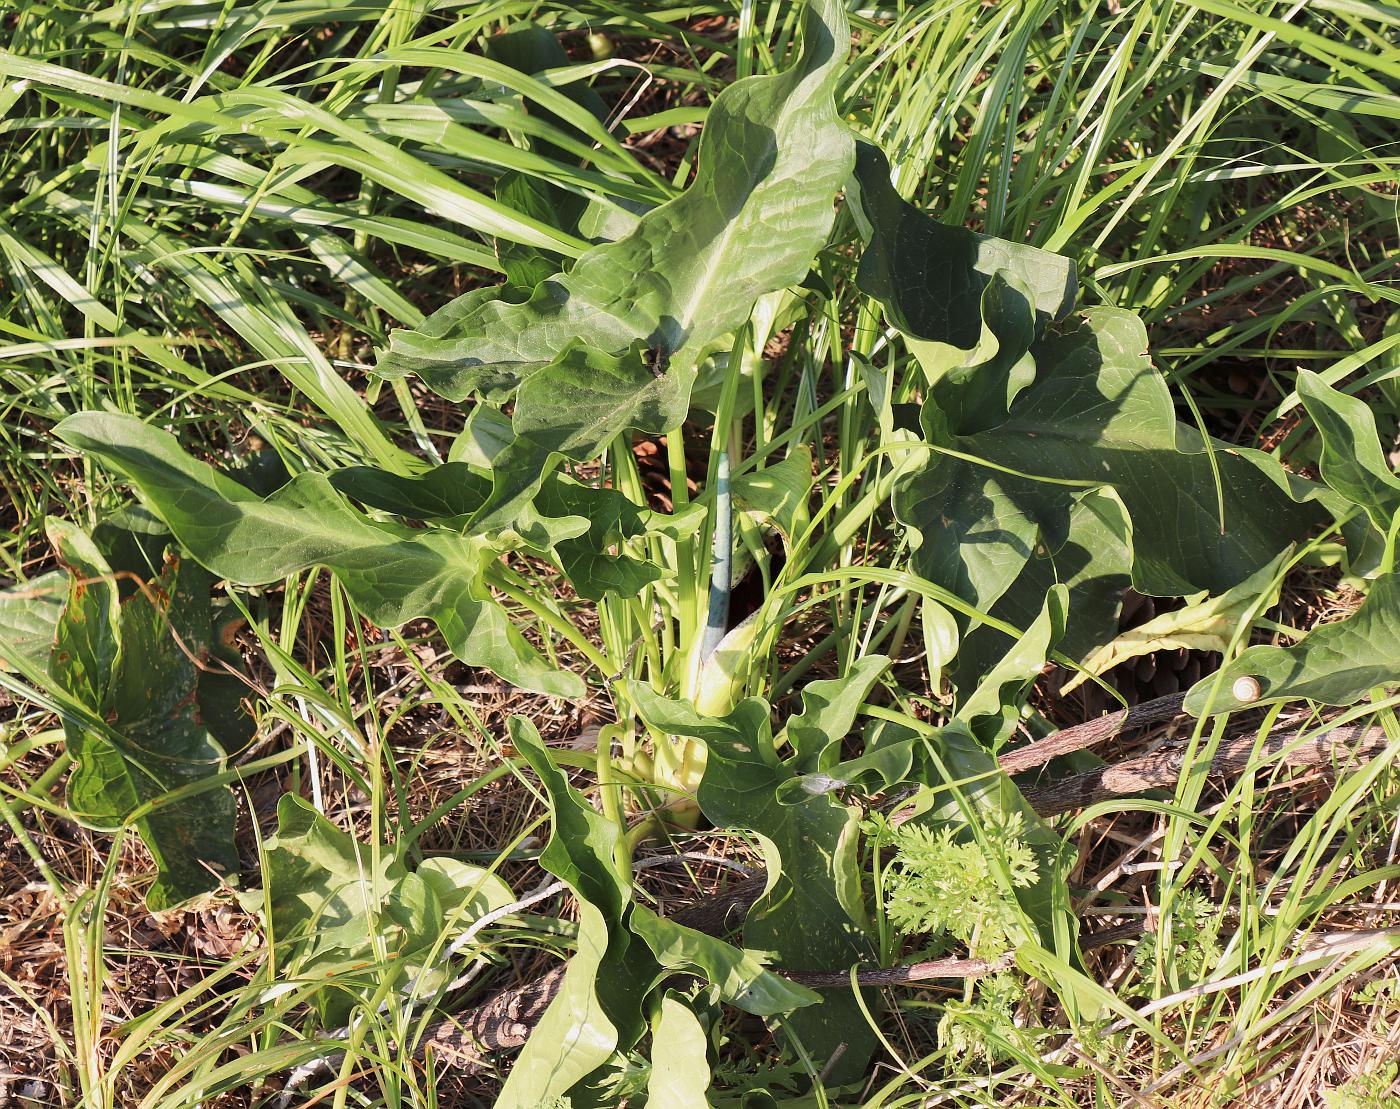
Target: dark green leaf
<point>739,975</point>
<point>1093,560</point>
<point>129,663</point>
<point>1353,461</point>
<point>806,916</point>
<point>1017,668</point>
<point>1097,413</point>
<point>969,305</point>
<point>87,640</point>
<point>598,1004</point>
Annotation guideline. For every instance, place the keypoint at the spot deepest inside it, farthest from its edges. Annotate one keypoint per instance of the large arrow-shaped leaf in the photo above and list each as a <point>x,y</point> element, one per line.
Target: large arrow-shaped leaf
<point>1097,414</point>
<point>598,1004</point>
<point>451,493</point>
<point>1021,414</point>
<point>773,156</point>
<point>1353,461</point>
<point>392,573</point>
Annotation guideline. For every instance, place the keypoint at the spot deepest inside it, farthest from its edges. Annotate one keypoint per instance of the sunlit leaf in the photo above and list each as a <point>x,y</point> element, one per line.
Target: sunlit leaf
<point>1335,663</point>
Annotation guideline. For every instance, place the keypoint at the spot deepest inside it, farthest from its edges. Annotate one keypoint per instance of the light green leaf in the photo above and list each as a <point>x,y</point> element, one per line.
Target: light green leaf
<point>773,156</point>
<point>828,713</point>
<point>598,1003</point>
<point>327,897</point>
<point>1203,624</point>
<point>778,495</point>
<point>323,890</point>
<point>575,1035</point>
<point>462,885</point>
<point>582,847</point>
<point>680,1069</point>
<point>392,573</point>
<point>1018,668</point>
<point>1353,461</point>
<point>1335,664</point>
<point>586,397</point>
<point>940,638</point>
<point>573,407</point>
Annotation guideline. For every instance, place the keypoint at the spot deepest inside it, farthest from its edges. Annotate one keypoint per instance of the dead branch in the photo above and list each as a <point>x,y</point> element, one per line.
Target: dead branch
<point>1343,747</point>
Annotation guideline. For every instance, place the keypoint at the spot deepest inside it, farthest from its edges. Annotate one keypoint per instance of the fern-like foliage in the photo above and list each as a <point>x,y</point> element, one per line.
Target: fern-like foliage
<point>942,884</point>
<point>1195,949</point>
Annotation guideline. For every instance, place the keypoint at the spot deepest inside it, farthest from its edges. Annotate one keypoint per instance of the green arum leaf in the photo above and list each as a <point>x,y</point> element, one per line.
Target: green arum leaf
<point>779,495</point>
<point>968,305</point>
<point>392,573</point>
<point>1334,664</point>
<point>680,1069</point>
<point>738,974</point>
<point>829,713</point>
<point>573,408</point>
<point>812,915</point>
<point>1093,560</point>
<point>884,763</point>
<point>327,898</point>
<point>585,398</point>
<point>137,545</point>
<point>87,642</point>
<point>1033,411</point>
<point>1203,623</point>
<point>624,949</point>
<point>1353,461</point>
<point>29,615</point>
<point>598,1007</point>
<point>773,156</point>
<point>577,525</point>
<point>994,707</point>
<point>1096,414</point>
<point>131,663</point>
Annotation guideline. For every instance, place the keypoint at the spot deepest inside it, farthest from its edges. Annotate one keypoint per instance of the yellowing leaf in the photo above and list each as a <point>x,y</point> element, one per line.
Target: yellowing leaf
<point>1205,624</point>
